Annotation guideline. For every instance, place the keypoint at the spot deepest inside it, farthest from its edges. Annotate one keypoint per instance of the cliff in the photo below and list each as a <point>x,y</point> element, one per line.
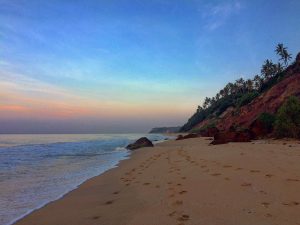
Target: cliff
<point>280,87</point>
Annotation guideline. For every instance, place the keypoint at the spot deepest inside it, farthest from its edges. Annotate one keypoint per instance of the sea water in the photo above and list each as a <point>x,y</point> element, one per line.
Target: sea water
<point>38,169</point>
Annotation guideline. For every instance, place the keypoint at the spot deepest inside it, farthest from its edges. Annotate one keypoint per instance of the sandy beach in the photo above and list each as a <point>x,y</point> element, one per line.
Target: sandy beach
<point>188,182</point>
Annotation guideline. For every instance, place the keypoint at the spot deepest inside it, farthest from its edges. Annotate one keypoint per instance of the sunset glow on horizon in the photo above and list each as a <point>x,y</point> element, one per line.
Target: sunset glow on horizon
<point>117,66</point>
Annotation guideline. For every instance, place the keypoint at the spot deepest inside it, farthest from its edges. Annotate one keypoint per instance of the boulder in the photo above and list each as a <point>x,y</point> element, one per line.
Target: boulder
<point>140,143</point>
<point>179,137</point>
<point>232,136</point>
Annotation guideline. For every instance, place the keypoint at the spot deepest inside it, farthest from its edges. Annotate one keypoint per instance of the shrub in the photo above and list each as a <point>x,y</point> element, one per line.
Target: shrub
<point>247,98</point>
<point>267,120</point>
<point>287,123</point>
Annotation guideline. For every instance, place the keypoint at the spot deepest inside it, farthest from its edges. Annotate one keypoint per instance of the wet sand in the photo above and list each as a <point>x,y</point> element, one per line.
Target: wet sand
<point>188,182</point>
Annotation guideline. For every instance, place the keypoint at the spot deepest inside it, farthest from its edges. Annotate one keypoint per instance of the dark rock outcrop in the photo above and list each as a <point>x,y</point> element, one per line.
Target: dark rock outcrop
<point>140,143</point>
<point>232,136</point>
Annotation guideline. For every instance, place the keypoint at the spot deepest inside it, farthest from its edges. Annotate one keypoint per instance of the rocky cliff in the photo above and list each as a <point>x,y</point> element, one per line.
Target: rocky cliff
<point>245,117</point>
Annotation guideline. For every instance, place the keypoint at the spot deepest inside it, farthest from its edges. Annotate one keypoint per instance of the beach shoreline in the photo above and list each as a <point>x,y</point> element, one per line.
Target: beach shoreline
<point>183,182</point>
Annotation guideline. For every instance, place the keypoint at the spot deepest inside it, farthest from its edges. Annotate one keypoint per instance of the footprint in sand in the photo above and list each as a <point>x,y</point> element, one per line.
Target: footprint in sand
<point>255,171</point>
<point>291,179</point>
<point>183,178</point>
<point>172,213</point>
<point>178,202</point>
<point>266,204</point>
<point>183,217</point>
<point>157,186</point>
<point>227,178</point>
<point>182,192</point>
<point>109,202</point>
<point>146,184</point>
<point>263,192</point>
<point>116,192</point>
<point>239,168</point>
<point>293,203</point>
<point>215,174</point>
<point>227,166</point>
<point>246,184</point>
<point>269,175</point>
<point>95,217</point>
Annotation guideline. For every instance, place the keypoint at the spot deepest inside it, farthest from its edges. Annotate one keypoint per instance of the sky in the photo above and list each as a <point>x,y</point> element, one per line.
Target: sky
<point>117,66</point>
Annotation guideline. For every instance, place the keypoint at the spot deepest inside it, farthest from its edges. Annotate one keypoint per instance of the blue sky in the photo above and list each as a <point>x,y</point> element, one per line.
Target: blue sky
<point>148,63</point>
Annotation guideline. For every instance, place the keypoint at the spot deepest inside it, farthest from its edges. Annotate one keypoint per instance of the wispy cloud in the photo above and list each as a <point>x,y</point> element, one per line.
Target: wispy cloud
<point>217,15</point>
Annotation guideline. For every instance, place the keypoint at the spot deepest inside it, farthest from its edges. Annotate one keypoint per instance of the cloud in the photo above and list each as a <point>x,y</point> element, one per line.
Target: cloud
<point>217,15</point>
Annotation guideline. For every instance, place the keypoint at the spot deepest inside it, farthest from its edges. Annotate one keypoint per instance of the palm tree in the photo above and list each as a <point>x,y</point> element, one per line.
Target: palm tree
<point>283,53</point>
<point>269,69</point>
<point>207,102</point>
<point>279,68</point>
<point>231,88</point>
<point>199,108</point>
<point>249,85</point>
<point>226,91</point>
<point>240,83</point>
<point>258,82</point>
<point>222,92</point>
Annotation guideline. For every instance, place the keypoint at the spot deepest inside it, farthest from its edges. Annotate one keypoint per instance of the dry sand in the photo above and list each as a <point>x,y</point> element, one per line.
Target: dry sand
<point>188,182</point>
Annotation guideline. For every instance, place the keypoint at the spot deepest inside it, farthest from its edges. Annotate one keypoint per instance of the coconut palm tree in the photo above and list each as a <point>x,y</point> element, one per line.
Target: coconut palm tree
<point>269,69</point>
<point>206,103</point>
<point>249,85</point>
<point>199,108</point>
<point>258,82</point>
<point>283,53</point>
<point>226,91</point>
<point>240,84</point>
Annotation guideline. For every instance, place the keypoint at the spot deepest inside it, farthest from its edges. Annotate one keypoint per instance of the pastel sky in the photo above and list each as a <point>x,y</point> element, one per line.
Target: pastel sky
<point>129,65</point>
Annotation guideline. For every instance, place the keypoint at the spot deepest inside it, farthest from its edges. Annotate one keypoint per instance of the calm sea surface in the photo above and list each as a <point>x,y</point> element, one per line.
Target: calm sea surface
<point>37,169</point>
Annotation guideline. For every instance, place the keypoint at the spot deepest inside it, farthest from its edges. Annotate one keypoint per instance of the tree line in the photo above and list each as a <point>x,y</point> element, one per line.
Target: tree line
<point>241,86</point>
<point>242,91</point>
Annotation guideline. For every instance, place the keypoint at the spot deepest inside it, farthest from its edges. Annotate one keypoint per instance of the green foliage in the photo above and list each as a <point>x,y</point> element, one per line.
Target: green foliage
<point>283,53</point>
<point>241,92</point>
<point>287,123</point>
<point>267,119</point>
<point>247,98</point>
<point>209,125</point>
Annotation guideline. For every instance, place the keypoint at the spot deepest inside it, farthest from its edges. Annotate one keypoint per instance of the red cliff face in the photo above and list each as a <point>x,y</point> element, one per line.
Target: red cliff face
<point>269,101</point>
<point>242,124</point>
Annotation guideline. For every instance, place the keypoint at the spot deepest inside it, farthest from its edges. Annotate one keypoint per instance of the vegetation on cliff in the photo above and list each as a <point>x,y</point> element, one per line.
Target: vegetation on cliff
<point>242,92</point>
<point>287,122</point>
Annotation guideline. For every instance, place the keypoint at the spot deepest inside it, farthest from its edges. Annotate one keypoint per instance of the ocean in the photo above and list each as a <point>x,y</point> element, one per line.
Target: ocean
<point>38,169</point>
